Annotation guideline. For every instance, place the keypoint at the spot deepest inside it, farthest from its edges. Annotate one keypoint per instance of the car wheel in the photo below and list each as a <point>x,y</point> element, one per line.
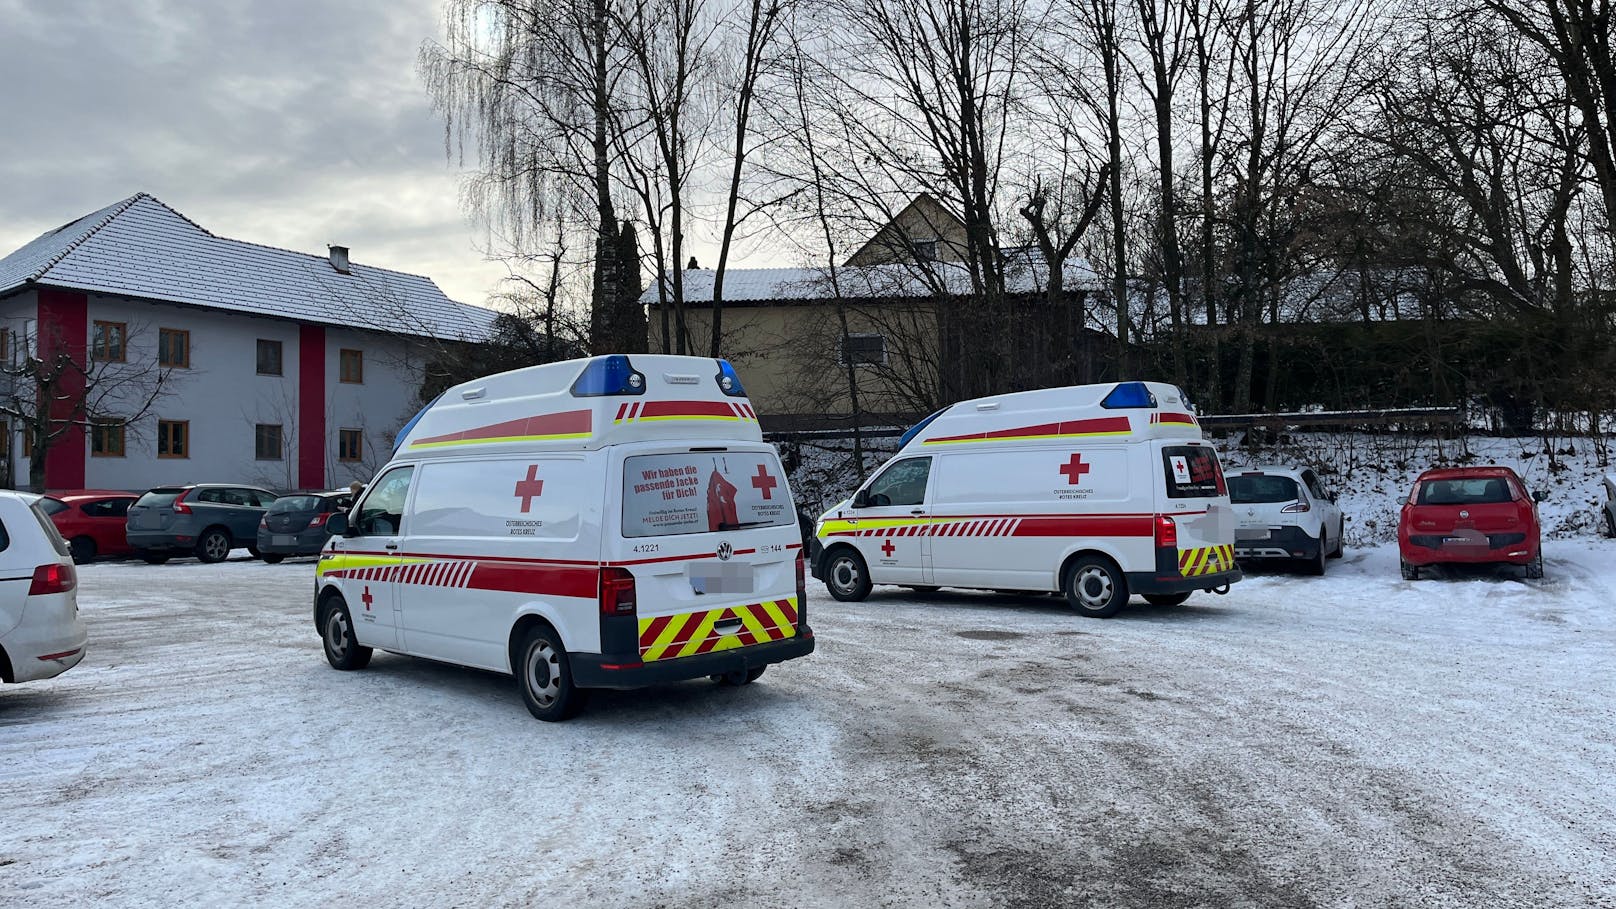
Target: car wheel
<point>923,588</point>
<point>1610,525</point>
<point>154,558</point>
<point>740,676</point>
<point>1340,540</point>
<point>1411,572</point>
<point>342,650</point>
<point>1095,587</point>
<point>273,558</point>
<point>253,551</point>
<point>213,545</point>
<point>83,549</point>
<point>1315,566</point>
<point>846,576</point>
<point>1166,599</point>
<point>1534,568</point>
<point>544,676</point>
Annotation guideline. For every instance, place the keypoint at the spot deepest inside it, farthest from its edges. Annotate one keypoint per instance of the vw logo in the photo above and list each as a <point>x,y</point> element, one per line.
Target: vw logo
<point>725,550</point>
<point>1464,514</point>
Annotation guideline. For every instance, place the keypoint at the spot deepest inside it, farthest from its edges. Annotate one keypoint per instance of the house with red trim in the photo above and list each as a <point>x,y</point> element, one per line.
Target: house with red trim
<point>200,358</point>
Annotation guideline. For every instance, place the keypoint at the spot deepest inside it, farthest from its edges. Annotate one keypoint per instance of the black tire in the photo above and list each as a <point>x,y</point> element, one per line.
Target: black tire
<point>273,558</point>
<point>1315,566</point>
<point>737,677</point>
<point>925,588</point>
<point>342,650</point>
<point>1610,525</point>
<point>1534,568</point>
<point>846,576</point>
<point>154,558</point>
<point>1167,599</point>
<point>1095,587</point>
<point>544,676</point>
<point>1410,572</point>
<point>213,545</point>
<point>1340,540</point>
<point>83,549</point>
<point>253,551</point>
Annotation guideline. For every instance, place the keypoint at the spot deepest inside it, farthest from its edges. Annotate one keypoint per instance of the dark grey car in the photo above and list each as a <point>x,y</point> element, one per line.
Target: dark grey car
<point>295,524</point>
<point>206,520</point>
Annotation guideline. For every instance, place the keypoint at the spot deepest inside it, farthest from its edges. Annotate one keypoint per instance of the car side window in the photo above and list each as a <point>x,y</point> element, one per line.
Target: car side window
<point>904,483</point>
<point>216,496</point>
<point>1313,485</point>
<point>382,511</point>
<point>261,499</point>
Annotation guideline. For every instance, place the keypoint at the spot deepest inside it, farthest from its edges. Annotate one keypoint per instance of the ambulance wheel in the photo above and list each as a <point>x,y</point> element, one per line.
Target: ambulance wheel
<point>342,649</point>
<point>1167,599</point>
<point>1095,587</point>
<point>740,676</point>
<point>846,576</point>
<point>544,676</point>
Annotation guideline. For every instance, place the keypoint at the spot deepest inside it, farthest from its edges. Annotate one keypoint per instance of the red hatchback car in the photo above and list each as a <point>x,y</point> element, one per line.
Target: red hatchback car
<point>1472,515</point>
<point>91,520</point>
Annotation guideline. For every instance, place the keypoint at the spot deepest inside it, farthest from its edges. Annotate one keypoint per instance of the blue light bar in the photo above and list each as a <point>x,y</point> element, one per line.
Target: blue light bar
<point>608,375</point>
<point>728,382</point>
<point>915,429</point>
<point>1129,394</point>
<point>398,440</point>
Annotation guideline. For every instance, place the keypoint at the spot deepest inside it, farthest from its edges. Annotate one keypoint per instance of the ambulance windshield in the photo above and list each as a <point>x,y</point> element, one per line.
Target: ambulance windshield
<point>704,492</point>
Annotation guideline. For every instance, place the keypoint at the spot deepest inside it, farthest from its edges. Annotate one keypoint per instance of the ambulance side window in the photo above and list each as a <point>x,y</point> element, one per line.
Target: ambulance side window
<point>382,511</point>
<point>904,483</point>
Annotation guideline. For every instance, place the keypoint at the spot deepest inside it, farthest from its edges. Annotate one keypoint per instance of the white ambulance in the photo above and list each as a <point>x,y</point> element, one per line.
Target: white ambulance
<point>1094,491</point>
<point>599,523</point>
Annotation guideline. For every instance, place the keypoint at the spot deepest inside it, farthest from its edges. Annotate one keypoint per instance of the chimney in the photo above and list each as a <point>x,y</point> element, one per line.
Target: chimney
<point>339,258</point>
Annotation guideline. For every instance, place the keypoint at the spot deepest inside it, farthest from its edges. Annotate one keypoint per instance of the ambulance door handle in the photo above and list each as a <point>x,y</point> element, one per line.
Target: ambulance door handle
<point>918,511</point>
<point>391,546</point>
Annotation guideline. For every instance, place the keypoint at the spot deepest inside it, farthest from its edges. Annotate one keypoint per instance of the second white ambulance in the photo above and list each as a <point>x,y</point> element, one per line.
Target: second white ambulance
<point>599,523</point>
<point>1094,491</point>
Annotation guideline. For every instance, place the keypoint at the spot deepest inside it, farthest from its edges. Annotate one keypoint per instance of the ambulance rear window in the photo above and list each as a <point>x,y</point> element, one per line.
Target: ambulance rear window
<point>1192,472</point>
<point>704,492</point>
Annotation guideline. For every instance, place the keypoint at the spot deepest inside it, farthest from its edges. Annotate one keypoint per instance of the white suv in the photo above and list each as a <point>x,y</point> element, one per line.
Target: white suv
<point>41,634</point>
<point>1285,513</point>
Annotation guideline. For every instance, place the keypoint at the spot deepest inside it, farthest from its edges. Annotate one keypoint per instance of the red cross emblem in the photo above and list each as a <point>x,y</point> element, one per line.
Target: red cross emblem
<point>1074,469</point>
<point>367,599</point>
<point>765,482</point>
<point>529,489</point>
<point>888,548</point>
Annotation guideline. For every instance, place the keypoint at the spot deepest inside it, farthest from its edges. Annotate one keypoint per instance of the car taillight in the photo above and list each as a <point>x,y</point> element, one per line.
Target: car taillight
<point>318,520</point>
<point>263,522</point>
<point>1296,508</point>
<point>53,578</point>
<point>616,592</point>
<point>179,503</point>
<point>802,580</point>
<point>1166,532</point>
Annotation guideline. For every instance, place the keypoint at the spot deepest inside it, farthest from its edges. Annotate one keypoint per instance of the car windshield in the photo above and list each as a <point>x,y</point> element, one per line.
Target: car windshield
<point>1260,489</point>
<point>51,506</point>
<point>1465,491</point>
<point>295,503</point>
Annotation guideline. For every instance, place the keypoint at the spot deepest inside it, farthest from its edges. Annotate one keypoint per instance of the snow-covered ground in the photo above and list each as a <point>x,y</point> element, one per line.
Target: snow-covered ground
<point>1355,740</point>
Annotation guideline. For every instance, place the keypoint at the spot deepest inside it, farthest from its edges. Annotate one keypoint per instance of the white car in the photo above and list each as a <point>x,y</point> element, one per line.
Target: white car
<point>41,634</point>
<point>1286,513</point>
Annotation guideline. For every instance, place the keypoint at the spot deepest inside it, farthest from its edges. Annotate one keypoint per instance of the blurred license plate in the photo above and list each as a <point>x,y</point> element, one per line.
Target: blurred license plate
<point>1251,535</point>
<point>282,539</point>
<point>719,577</point>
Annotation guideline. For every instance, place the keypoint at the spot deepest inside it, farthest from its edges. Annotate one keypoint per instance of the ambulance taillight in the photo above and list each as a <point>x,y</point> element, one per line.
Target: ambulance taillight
<point>617,592</point>
<point>802,581</point>
<point>1166,532</point>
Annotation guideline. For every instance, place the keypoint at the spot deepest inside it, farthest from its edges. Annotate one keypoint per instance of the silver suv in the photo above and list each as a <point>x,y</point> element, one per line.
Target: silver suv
<point>206,520</point>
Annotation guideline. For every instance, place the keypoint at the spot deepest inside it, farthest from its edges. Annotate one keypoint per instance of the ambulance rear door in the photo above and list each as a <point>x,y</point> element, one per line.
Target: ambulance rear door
<point>1192,494</point>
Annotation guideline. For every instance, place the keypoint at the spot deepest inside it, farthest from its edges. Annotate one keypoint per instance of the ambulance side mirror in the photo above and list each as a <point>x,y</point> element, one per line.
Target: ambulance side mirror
<point>861,499</point>
<point>337,524</point>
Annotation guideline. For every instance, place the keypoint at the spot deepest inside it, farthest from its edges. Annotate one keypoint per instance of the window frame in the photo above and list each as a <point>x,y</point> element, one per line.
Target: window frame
<point>185,335</point>
<point>97,339</point>
<point>359,442</point>
<point>842,350</point>
<point>165,438</point>
<point>889,470</point>
<point>925,249</point>
<point>280,442</point>
<point>98,428</point>
<point>358,358</point>
<point>280,357</point>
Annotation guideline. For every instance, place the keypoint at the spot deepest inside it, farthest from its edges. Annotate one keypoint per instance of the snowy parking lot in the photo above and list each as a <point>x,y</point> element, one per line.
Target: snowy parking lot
<point>1355,740</point>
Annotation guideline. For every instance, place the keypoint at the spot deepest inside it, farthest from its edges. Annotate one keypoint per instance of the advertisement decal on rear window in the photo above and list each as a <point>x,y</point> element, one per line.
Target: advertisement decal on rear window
<point>1192,472</point>
<point>702,492</point>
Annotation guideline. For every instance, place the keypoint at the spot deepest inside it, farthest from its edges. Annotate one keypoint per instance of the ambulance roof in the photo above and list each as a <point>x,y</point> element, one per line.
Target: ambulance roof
<point>585,404</point>
<point>1120,412</point>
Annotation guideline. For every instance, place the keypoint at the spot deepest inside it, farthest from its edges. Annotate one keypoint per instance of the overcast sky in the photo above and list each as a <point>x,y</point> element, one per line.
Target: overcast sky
<point>292,123</point>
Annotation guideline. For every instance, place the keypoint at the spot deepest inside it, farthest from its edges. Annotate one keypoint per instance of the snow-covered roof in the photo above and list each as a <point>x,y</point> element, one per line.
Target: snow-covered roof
<point>1023,274</point>
<point>142,248</point>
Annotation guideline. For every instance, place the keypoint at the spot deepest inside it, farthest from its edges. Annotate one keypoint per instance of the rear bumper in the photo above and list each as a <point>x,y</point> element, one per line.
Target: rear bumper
<point>589,669</point>
<point>816,551</point>
<point>1282,543</point>
<point>303,543</point>
<point>160,541</point>
<point>1517,554</point>
<point>1147,582</point>
<point>26,644</point>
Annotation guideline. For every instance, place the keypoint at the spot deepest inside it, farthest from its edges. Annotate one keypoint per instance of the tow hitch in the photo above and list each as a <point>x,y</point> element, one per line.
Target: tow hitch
<point>1221,590</point>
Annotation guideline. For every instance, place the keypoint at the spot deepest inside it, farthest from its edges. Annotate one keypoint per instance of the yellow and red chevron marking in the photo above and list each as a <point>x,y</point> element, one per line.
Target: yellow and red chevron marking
<point>1173,419</point>
<point>668,637</point>
<point>1193,563</point>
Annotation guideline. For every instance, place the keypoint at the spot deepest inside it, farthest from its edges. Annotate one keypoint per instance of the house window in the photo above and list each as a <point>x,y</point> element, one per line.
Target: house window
<point>350,444</point>
<point>107,343</point>
<point>269,357</point>
<point>351,366</point>
<point>173,438</point>
<point>174,348</point>
<point>267,442</point>
<point>863,350</point>
<point>106,438</point>
<point>925,250</point>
